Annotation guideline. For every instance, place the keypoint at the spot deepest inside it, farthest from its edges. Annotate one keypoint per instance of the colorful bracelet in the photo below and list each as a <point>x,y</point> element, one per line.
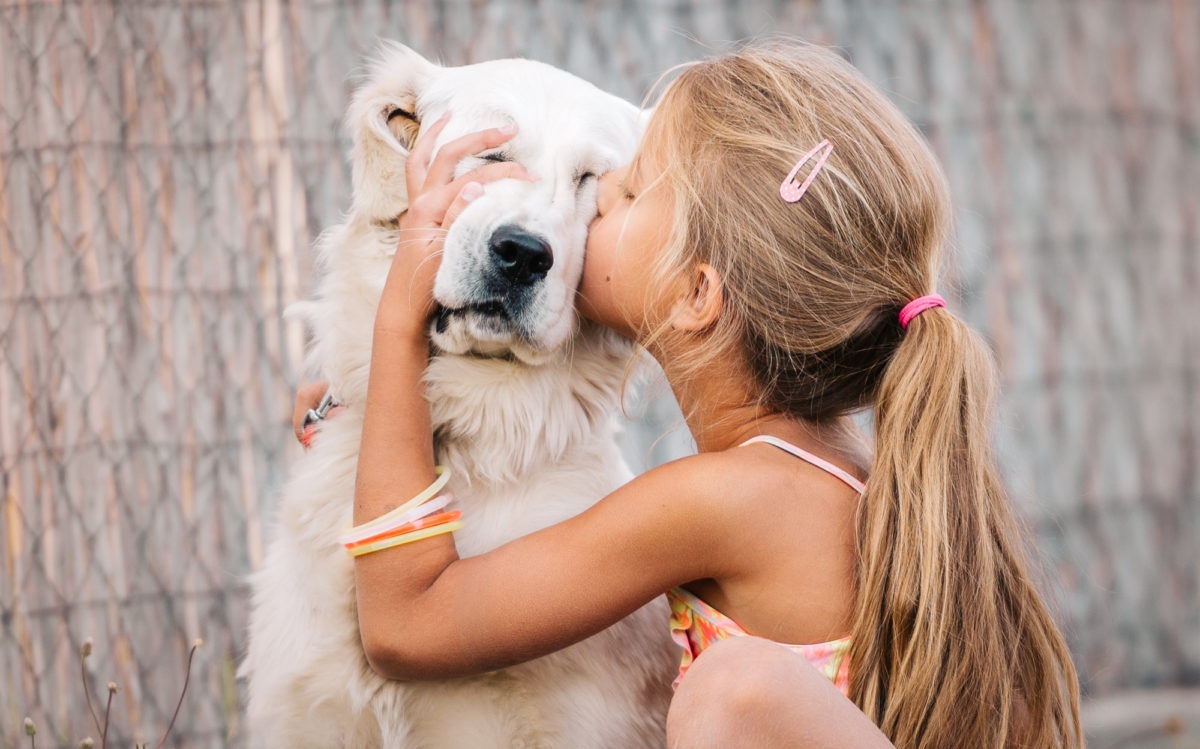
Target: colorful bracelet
<point>406,538</point>
<point>375,530</point>
<point>418,518</point>
<point>443,475</point>
<point>428,521</point>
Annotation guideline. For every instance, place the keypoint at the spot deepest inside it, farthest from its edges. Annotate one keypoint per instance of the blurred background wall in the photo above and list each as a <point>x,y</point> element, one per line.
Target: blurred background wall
<point>164,170</point>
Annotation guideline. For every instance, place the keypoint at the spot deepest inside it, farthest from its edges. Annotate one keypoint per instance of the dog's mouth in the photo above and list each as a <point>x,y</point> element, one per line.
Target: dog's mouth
<point>490,329</point>
<point>494,311</point>
<point>487,330</point>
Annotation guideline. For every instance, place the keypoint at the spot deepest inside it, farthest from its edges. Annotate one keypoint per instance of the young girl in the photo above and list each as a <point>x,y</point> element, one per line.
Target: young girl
<point>793,220</point>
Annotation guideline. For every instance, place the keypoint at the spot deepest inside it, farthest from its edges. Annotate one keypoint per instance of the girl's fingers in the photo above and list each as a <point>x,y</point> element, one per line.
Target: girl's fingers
<point>430,209</point>
<point>492,172</point>
<point>443,197</point>
<point>307,396</point>
<point>441,171</point>
<point>468,193</point>
<point>419,157</point>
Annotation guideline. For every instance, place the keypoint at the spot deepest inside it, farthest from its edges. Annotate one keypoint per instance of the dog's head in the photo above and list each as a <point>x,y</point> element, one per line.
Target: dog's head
<point>514,256</point>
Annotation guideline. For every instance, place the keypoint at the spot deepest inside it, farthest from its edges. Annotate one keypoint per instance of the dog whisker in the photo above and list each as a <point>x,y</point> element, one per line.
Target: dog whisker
<point>422,232</point>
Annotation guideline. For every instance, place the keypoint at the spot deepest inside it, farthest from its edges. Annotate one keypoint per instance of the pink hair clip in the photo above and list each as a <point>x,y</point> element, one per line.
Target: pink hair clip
<point>790,190</point>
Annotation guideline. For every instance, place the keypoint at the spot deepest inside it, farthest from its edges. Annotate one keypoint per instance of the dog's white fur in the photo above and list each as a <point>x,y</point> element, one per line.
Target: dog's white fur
<point>523,411</point>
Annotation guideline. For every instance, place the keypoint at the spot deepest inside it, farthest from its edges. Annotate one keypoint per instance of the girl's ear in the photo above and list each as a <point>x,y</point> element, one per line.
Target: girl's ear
<point>699,307</point>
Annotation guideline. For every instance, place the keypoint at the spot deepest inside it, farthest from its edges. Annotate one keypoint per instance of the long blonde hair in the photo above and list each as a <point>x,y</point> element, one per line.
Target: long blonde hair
<point>952,644</point>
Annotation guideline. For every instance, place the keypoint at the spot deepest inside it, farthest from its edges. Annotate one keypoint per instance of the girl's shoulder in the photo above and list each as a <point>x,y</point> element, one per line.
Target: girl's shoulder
<point>739,494</point>
<point>716,482</point>
<point>696,504</point>
<point>749,477</point>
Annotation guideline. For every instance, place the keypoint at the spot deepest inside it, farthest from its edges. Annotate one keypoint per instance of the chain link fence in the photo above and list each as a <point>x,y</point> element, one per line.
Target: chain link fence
<point>166,166</point>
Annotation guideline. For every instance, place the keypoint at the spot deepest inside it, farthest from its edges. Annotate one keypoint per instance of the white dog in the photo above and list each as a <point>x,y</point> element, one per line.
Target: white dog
<point>523,397</point>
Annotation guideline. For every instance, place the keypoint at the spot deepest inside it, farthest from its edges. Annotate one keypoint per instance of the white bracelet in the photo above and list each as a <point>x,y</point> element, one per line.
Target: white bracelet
<point>443,475</point>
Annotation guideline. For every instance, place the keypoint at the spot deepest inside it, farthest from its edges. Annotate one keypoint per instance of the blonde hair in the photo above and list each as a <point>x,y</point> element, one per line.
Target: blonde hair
<point>946,615</point>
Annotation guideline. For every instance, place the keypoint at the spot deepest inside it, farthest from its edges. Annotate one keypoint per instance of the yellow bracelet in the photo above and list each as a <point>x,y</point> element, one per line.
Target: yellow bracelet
<point>443,475</point>
<point>407,538</point>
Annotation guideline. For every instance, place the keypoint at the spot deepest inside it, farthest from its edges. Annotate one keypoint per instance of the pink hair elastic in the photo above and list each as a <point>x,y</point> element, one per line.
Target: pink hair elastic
<point>790,190</point>
<point>919,305</point>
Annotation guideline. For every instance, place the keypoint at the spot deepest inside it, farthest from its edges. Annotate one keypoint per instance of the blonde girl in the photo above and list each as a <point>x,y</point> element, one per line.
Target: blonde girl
<point>791,216</point>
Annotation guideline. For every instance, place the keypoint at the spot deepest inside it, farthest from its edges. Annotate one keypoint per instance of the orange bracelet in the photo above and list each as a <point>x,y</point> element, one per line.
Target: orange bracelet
<point>406,538</point>
<point>426,522</point>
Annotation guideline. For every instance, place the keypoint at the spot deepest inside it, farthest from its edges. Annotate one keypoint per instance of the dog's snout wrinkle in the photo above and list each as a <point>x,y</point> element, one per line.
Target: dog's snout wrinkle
<point>521,257</point>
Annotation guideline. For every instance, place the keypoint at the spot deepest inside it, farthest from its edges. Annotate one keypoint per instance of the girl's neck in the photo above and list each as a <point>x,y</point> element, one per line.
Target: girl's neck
<point>721,406</point>
<point>722,411</point>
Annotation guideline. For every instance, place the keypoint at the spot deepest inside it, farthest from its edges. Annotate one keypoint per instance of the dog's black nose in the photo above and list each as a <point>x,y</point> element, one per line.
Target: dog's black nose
<point>521,257</point>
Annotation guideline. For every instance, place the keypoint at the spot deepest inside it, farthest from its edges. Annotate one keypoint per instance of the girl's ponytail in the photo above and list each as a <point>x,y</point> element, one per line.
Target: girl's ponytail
<point>946,613</point>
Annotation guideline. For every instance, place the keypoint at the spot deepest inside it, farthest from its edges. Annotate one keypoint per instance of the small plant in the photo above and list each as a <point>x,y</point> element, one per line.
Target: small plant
<point>87,743</point>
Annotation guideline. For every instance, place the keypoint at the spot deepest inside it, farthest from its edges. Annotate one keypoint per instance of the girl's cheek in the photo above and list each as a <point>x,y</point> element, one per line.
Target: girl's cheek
<point>592,262</point>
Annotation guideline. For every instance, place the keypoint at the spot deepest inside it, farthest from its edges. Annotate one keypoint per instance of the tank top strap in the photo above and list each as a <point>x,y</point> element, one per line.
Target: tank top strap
<point>808,457</point>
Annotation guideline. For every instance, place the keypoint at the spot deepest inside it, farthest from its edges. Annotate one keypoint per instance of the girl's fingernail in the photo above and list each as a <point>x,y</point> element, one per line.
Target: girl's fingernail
<point>471,191</point>
<point>508,128</point>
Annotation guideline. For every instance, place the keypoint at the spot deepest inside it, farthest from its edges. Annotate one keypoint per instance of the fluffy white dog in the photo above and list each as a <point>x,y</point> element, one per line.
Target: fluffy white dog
<point>523,397</point>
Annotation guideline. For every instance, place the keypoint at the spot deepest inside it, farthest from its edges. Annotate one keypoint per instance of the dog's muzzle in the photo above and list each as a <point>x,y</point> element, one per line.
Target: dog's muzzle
<point>505,303</point>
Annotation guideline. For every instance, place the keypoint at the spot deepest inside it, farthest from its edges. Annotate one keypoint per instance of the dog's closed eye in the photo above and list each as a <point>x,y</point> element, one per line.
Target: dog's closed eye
<point>497,156</point>
<point>582,178</point>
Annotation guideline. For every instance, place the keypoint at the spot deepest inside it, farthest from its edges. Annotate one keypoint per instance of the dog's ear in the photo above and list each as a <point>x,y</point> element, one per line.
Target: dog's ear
<point>404,125</point>
<point>383,121</point>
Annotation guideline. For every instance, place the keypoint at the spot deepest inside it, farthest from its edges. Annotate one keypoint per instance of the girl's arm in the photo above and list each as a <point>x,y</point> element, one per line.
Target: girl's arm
<point>423,612</point>
<point>426,614</point>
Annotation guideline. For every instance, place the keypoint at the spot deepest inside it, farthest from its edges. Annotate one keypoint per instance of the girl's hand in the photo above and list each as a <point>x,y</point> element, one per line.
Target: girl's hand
<point>436,198</point>
<point>308,396</point>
